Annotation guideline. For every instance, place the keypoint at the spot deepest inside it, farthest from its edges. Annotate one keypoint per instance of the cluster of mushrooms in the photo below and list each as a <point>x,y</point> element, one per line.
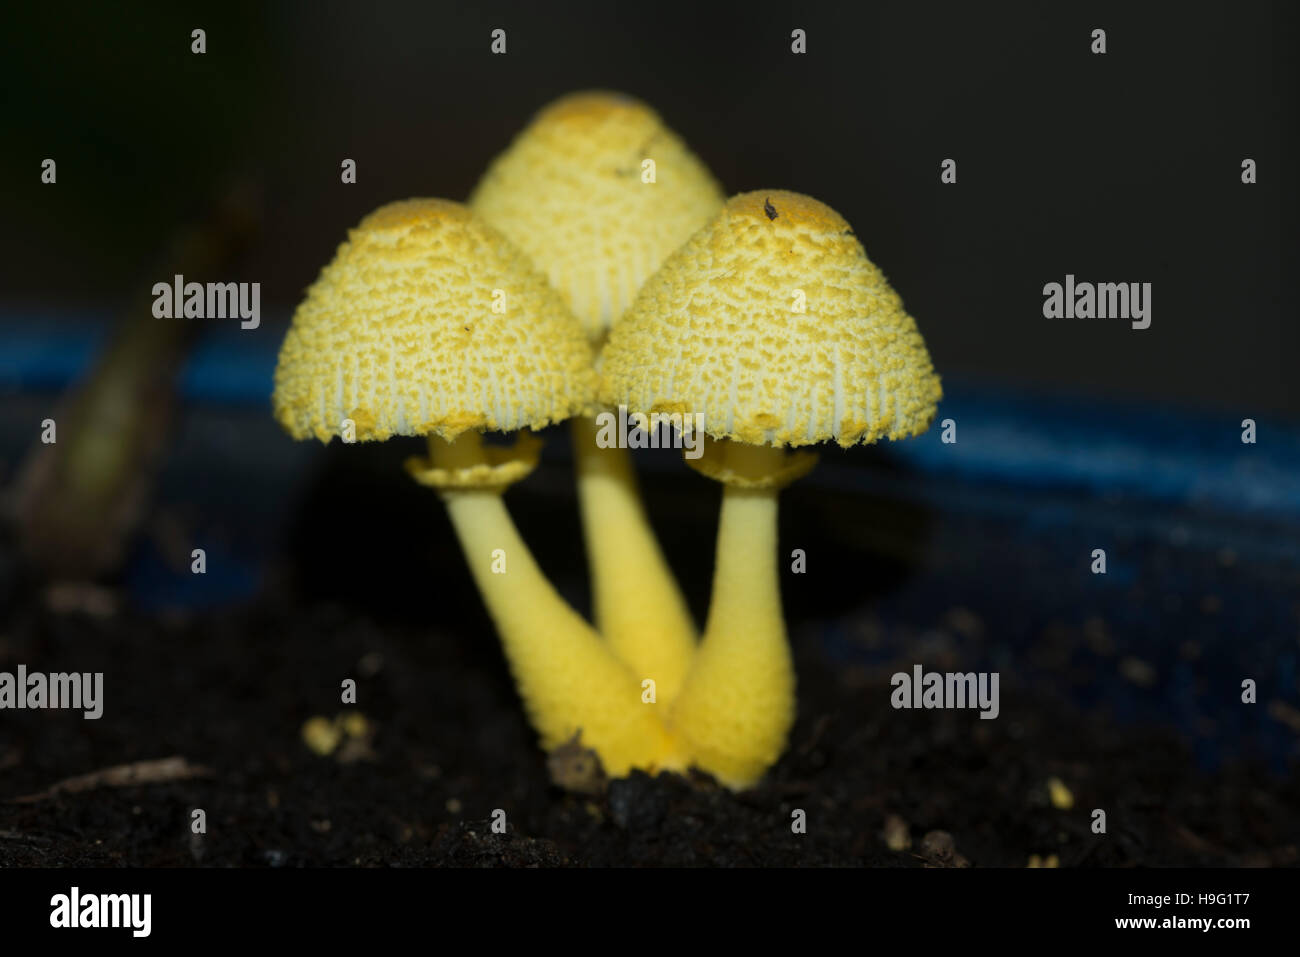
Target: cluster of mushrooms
<point>573,282</point>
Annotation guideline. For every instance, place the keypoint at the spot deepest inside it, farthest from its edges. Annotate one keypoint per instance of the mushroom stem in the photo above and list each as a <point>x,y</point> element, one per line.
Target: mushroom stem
<point>568,679</point>
<point>635,599</point>
<point>465,452</point>
<point>737,705</point>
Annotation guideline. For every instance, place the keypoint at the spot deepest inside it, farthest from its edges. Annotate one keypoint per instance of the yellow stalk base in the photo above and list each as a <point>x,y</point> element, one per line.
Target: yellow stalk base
<point>636,603</point>
<point>736,708</point>
<point>568,679</point>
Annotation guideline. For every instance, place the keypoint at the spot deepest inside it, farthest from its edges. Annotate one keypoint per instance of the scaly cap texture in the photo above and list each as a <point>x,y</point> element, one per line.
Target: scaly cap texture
<point>569,192</point>
<point>399,334</point>
<point>716,330</point>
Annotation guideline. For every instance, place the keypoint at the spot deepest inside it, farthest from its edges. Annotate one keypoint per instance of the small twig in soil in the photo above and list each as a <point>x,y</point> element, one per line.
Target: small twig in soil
<point>157,771</point>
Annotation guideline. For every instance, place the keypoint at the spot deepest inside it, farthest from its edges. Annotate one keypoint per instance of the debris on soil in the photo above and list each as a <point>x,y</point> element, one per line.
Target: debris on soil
<point>938,849</point>
<point>896,834</point>
<point>575,768</point>
<point>321,735</point>
<point>159,771</point>
<point>1061,797</point>
<point>348,737</point>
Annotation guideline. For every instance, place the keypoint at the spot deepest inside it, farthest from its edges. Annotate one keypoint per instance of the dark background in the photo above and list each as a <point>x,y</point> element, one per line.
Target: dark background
<point>1123,167</point>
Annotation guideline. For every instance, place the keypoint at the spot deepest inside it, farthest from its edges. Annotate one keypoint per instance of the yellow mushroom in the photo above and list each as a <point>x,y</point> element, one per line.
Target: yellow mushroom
<point>429,322</point>
<point>597,191</point>
<point>573,192</point>
<point>774,325</point>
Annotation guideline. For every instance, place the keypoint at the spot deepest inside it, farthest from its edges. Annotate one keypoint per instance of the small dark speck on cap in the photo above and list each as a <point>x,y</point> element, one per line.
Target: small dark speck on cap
<point>769,209</point>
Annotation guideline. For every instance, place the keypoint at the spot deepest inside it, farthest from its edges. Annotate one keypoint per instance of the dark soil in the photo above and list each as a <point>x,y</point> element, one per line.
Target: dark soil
<point>231,690</point>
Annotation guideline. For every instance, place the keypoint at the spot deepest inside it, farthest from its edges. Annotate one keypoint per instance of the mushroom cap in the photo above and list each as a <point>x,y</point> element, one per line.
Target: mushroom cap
<point>404,334</point>
<point>716,331</point>
<point>569,192</point>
